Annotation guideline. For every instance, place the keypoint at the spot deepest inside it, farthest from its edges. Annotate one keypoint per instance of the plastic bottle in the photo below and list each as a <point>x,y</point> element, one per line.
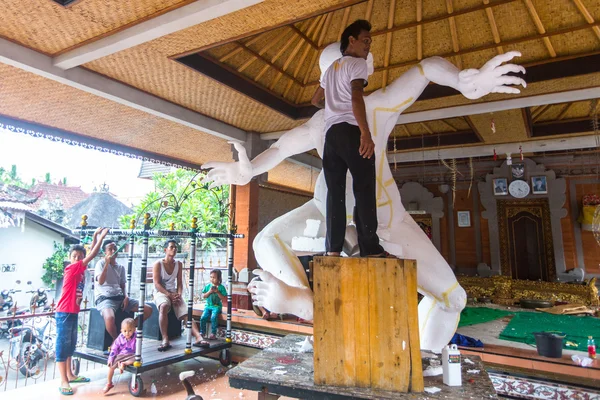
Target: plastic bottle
<point>451,366</point>
<point>591,347</point>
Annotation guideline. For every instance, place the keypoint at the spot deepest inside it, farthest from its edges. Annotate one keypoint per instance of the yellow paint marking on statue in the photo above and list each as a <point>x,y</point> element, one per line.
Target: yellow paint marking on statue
<point>366,324</point>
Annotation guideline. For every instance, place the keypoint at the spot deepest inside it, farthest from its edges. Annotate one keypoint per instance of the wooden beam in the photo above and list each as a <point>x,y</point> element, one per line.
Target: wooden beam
<point>588,17</point>
<point>453,32</point>
<point>490,15</point>
<point>539,111</point>
<point>344,22</point>
<point>304,36</point>
<point>562,113</point>
<point>327,10</point>
<point>405,128</point>
<point>474,128</point>
<point>369,11</point>
<point>539,26</point>
<point>526,113</point>
<point>388,42</point>
<point>448,124</point>
<point>426,128</point>
<point>419,30</point>
<point>435,140</point>
<point>258,55</point>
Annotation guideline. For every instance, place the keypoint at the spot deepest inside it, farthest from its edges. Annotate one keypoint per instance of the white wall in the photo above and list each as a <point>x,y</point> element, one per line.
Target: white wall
<point>28,249</point>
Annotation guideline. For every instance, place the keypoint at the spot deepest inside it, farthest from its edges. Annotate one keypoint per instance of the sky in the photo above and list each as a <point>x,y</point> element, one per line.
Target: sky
<point>82,167</point>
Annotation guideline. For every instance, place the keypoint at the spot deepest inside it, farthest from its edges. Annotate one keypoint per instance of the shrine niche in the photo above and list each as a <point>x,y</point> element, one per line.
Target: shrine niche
<point>524,225</point>
<point>425,209</point>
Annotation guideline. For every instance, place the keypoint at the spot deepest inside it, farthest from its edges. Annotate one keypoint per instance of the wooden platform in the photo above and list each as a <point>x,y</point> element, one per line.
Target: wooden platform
<point>152,358</point>
<point>258,373</point>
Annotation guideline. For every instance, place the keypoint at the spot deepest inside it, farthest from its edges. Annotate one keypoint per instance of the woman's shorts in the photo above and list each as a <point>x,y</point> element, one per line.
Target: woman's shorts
<point>66,335</point>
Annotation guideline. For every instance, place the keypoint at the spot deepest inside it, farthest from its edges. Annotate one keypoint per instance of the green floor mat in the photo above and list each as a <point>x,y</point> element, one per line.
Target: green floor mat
<point>577,329</point>
<point>479,315</point>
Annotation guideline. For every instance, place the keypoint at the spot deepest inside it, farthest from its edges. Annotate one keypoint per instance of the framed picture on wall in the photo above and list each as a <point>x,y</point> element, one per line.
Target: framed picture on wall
<point>464,219</point>
<point>500,186</point>
<point>539,185</point>
<point>518,171</point>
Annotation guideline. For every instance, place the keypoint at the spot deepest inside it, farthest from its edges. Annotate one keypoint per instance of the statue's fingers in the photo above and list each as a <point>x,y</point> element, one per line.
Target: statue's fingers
<point>511,80</point>
<point>212,164</point>
<point>215,184</point>
<point>505,69</point>
<point>505,89</point>
<point>216,173</point>
<point>499,59</point>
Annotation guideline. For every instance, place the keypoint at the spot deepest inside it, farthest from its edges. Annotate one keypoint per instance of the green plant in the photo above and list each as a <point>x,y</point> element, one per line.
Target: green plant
<point>176,200</point>
<point>54,265</point>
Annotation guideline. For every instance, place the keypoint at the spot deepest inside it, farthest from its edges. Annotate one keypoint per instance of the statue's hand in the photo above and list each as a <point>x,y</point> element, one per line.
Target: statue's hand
<point>230,173</point>
<point>491,78</point>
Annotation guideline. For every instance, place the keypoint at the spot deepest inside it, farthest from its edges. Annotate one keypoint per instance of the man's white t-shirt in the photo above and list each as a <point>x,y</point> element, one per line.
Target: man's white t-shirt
<point>338,89</point>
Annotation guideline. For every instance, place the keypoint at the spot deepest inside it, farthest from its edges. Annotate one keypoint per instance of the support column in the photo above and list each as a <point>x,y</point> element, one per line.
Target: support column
<point>246,220</point>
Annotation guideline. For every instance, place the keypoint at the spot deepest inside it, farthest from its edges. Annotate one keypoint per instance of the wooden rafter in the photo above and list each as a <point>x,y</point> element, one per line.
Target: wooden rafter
<point>405,128</point>
<point>259,55</point>
<point>315,55</point>
<point>453,32</point>
<point>238,49</point>
<point>505,43</point>
<point>295,51</point>
<point>490,15</point>
<point>474,129</point>
<point>282,50</point>
<point>419,30</point>
<point>300,63</point>
<point>424,125</point>
<point>305,36</point>
<point>449,125</point>
<point>596,109</point>
<point>588,17</point>
<point>539,112</point>
<point>563,112</point>
<point>369,11</point>
<point>540,27</point>
<point>344,22</point>
<point>388,42</point>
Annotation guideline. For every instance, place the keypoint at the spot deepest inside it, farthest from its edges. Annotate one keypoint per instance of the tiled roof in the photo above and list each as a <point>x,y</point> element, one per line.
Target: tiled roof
<point>68,195</point>
<point>10,193</point>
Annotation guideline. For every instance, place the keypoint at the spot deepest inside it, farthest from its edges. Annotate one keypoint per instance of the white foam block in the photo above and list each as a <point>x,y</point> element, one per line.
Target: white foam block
<point>302,243</point>
<point>312,228</point>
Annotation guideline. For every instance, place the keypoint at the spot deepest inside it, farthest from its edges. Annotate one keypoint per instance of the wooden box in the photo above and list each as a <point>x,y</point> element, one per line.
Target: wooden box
<point>366,330</point>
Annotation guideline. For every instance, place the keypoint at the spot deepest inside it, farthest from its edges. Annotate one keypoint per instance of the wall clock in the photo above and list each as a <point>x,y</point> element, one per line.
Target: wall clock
<point>519,189</point>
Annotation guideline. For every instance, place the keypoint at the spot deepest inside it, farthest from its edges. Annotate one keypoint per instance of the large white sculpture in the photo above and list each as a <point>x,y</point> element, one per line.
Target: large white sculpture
<point>284,287</point>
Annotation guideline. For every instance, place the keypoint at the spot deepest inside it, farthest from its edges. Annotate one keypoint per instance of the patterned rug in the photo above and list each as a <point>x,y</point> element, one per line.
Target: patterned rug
<point>508,386</point>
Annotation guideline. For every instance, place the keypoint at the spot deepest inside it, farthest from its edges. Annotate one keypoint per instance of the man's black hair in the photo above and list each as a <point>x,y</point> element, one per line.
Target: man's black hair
<point>77,247</point>
<point>353,30</point>
<point>171,241</point>
<point>107,242</point>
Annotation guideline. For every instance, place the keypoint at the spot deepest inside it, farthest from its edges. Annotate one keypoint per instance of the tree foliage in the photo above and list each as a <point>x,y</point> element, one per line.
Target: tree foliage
<point>54,265</point>
<point>12,178</point>
<point>183,199</point>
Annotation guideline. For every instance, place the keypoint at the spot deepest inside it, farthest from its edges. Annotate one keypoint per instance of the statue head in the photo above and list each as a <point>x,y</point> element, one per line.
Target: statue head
<point>332,53</point>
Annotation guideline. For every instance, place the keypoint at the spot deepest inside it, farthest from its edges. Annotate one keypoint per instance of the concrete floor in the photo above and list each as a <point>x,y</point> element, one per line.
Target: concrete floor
<point>210,382</point>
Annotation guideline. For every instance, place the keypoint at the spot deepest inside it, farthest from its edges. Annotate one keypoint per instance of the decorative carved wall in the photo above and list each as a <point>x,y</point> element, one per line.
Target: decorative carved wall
<point>555,197</point>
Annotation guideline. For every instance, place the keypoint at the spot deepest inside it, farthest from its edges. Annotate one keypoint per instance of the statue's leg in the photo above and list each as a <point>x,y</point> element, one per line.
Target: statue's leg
<point>439,311</point>
<point>272,246</point>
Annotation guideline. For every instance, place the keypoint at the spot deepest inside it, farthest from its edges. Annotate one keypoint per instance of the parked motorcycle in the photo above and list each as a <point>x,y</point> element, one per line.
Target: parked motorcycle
<point>39,299</point>
<point>32,343</point>
<point>6,310</point>
<point>6,325</point>
<point>6,300</point>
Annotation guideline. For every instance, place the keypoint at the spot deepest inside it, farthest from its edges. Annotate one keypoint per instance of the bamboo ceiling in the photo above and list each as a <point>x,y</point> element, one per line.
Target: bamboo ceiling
<point>276,45</point>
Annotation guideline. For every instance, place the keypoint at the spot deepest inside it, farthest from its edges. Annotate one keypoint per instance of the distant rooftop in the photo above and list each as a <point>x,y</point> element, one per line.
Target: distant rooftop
<point>68,195</point>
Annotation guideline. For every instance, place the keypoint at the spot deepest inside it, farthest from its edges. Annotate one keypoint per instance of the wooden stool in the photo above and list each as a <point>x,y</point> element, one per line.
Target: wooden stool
<point>366,330</point>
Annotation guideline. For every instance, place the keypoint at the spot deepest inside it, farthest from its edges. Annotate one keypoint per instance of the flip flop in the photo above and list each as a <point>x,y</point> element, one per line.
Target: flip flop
<point>66,391</point>
<point>164,347</point>
<point>202,343</point>
<point>107,388</point>
<point>80,379</point>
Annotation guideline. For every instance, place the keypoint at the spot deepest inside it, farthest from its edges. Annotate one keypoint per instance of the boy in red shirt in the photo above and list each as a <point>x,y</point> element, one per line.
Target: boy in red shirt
<point>68,308</point>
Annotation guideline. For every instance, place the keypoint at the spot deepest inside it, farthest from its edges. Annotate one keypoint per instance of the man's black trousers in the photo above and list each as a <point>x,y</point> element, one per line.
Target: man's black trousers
<point>342,144</point>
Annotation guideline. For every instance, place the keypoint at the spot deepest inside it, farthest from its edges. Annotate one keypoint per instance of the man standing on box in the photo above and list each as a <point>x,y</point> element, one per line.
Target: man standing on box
<point>348,144</point>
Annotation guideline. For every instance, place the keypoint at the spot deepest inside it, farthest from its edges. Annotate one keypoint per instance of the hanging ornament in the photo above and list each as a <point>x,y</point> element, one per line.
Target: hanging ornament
<point>508,159</point>
<point>493,125</point>
<point>495,155</point>
<point>521,152</point>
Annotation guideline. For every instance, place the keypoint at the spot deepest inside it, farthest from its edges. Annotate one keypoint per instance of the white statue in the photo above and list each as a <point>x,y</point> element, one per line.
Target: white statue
<point>284,286</point>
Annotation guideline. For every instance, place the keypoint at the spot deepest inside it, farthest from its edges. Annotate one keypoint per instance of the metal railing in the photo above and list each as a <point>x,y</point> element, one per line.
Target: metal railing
<point>27,354</point>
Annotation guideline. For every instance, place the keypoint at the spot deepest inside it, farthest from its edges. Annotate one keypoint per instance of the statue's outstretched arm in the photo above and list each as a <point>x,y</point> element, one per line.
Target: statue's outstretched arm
<point>295,141</point>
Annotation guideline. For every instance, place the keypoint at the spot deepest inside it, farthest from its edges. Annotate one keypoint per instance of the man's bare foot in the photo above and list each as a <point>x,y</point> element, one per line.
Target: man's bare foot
<point>332,254</point>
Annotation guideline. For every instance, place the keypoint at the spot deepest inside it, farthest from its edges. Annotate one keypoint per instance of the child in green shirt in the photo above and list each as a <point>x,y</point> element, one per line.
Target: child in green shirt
<point>215,294</point>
